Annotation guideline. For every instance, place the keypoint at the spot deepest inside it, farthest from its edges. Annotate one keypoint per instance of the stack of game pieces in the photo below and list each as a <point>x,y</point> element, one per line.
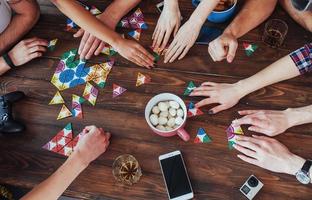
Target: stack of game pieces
<point>231,132</point>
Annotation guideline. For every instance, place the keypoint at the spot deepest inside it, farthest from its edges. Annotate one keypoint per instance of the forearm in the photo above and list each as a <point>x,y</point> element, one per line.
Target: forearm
<point>253,13</point>
<point>86,21</point>
<point>4,67</point>
<point>202,11</point>
<point>117,9</point>
<point>53,187</point>
<point>280,70</point>
<point>298,116</point>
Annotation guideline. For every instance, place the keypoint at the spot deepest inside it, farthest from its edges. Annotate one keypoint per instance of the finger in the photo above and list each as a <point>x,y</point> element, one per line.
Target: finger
<point>94,46</point>
<point>209,84</point>
<point>171,52</point>
<point>247,112</point>
<point>231,52</point>
<point>203,93</point>
<point>36,48</point>
<point>87,47</point>
<point>99,49</point>
<point>30,40</point>
<point>250,119</point>
<point>204,88</point>
<point>108,135</point>
<point>176,29</point>
<point>204,102</point>
<point>249,145</point>
<point>83,41</point>
<point>89,128</point>
<point>166,39</point>
<point>35,55</point>
<point>217,109</point>
<point>184,53</point>
<point>155,36</point>
<point>212,54</point>
<point>245,151</point>
<point>248,139</point>
<point>160,38</point>
<point>262,137</point>
<point>170,49</point>
<point>259,130</point>
<point>149,58</point>
<point>142,61</point>
<point>177,53</point>
<point>37,42</point>
<point>248,160</point>
<point>79,33</point>
<point>220,51</point>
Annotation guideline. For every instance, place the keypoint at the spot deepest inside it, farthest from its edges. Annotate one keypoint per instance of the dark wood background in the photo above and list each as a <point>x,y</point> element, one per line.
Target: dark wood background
<point>215,171</point>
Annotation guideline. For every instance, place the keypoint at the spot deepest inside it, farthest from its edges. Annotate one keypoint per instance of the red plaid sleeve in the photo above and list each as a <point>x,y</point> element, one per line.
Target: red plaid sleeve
<point>303,58</point>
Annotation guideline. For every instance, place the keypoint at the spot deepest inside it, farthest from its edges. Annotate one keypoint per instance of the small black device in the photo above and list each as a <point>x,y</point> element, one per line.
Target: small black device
<point>303,175</point>
<point>7,124</point>
<point>160,6</point>
<point>176,179</point>
<point>251,187</point>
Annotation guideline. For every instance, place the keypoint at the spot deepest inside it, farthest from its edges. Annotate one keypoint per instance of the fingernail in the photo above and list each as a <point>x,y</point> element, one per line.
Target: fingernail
<point>210,112</point>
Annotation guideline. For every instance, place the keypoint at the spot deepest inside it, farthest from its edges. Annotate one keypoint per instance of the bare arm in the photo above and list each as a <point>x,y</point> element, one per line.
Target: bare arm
<point>26,15</point>
<point>252,14</point>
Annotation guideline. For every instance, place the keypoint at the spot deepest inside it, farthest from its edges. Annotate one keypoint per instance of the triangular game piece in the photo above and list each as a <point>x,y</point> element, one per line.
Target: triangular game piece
<point>249,48</point>
<point>193,111</point>
<point>118,90</point>
<point>64,113</point>
<point>76,106</point>
<point>202,136</point>
<point>231,132</point>
<point>57,99</point>
<point>95,11</point>
<point>90,93</point>
<point>142,79</point>
<point>70,25</point>
<point>235,129</point>
<point>136,34</point>
<point>190,87</point>
<point>156,57</point>
<point>52,44</point>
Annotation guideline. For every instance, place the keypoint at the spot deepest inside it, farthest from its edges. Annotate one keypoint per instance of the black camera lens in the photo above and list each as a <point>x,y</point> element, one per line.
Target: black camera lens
<point>253,182</point>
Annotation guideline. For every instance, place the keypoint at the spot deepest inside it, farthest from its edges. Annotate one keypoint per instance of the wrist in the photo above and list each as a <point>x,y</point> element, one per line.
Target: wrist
<point>171,4</point>
<point>240,88</point>
<point>230,31</point>
<point>294,164</point>
<point>4,66</point>
<point>79,159</point>
<point>297,116</point>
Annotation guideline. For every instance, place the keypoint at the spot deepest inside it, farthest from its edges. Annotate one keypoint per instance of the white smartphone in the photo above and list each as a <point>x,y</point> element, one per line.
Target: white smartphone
<point>175,175</point>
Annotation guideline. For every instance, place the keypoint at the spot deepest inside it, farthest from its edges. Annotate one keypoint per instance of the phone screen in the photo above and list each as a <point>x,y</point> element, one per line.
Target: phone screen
<point>175,176</point>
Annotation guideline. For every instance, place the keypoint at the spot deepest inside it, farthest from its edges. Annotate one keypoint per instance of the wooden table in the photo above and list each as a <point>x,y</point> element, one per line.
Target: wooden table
<point>215,171</point>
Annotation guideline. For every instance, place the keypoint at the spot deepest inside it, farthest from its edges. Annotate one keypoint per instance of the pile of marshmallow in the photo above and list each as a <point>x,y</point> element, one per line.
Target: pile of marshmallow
<point>167,115</point>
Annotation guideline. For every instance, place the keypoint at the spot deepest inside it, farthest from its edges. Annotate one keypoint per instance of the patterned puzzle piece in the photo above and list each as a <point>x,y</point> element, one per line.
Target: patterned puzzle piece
<point>99,73</point>
<point>118,90</point>
<point>70,25</point>
<point>134,21</point>
<point>90,93</point>
<point>52,44</point>
<point>190,87</point>
<point>232,131</point>
<point>142,79</point>
<point>76,106</point>
<point>136,34</point>
<point>64,113</point>
<point>249,48</point>
<point>202,136</point>
<point>95,11</point>
<point>193,111</point>
<point>57,99</point>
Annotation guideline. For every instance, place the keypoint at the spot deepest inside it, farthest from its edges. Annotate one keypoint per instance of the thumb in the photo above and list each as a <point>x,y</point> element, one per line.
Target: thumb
<point>231,51</point>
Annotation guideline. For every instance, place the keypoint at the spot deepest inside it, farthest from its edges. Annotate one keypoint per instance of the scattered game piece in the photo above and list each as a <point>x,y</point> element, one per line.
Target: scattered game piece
<point>76,106</point>
<point>134,21</point>
<point>156,57</point>
<point>124,23</point>
<point>57,99</point>
<point>136,34</point>
<point>117,90</point>
<point>193,111</point>
<point>142,79</point>
<point>95,11</point>
<point>191,86</point>
<point>249,48</point>
<point>99,73</point>
<point>70,25</point>
<point>90,93</point>
<point>231,132</point>
<point>52,44</point>
<point>58,142</point>
<point>202,136</point>
<point>64,113</point>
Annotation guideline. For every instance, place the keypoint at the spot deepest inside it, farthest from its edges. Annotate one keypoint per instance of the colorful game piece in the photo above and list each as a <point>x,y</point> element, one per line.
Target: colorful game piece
<point>90,93</point>
<point>70,25</point>
<point>58,142</point>
<point>76,106</point>
<point>232,131</point>
<point>191,86</point>
<point>57,99</point>
<point>193,111</point>
<point>134,21</point>
<point>124,23</point>
<point>202,136</point>
<point>52,44</point>
<point>64,113</point>
<point>156,57</point>
<point>95,11</point>
<point>117,90</point>
<point>142,79</point>
<point>136,34</point>
<point>249,48</point>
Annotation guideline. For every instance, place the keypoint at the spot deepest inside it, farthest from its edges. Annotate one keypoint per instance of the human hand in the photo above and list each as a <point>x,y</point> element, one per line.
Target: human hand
<point>94,142</point>
<point>268,122</point>
<point>89,44</point>
<point>227,95</point>
<point>224,47</point>
<point>134,52</point>
<point>268,153</point>
<point>27,50</point>
<point>183,41</point>
<point>168,22</point>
